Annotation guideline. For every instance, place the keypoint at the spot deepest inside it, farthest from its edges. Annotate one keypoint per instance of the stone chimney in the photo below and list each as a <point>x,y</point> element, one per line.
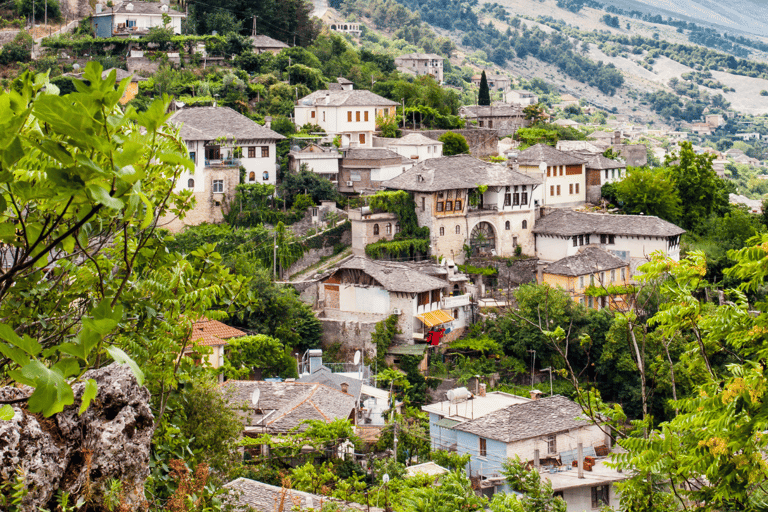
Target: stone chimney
<point>535,394</point>
<point>345,387</point>
<point>268,122</point>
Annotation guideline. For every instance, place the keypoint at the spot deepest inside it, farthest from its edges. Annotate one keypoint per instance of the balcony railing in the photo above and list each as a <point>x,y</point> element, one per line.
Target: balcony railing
<point>456,301</point>
<point>484,207</point>
<point>228,162</point>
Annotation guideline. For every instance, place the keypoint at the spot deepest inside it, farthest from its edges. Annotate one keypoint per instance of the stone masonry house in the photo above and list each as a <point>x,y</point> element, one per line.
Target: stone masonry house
<point>591,267</point>
<point>563,175</point>
<point>506,119</point>
<point>560,233</point>
<point>341,110</point>
<point>264,44</point>
<point>415,146</point>
<point>260,497</point>
<point>133,18</point>
<point>220,141</point>
<point>498,82</point>
<point>449,202</point>
<point>421,64</point>
<point>283,406</point>
<point>365,169</point>
<point>370,290</point>
<point>600,171</point>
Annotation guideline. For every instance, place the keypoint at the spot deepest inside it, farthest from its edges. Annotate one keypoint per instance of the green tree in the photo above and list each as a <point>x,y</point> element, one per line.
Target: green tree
<point>701,191</point>
<point>484,94</point>
<point>263,353</point>
<point>454,144</point>
<point>536,495</point>
<point>649,192</point>
<point>712,452</point>
<point>454,493</point>
<point>18,50</point>
<point>77,172</point>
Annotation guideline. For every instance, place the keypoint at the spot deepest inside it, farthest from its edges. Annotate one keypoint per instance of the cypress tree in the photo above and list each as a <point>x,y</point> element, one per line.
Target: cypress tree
<point>484,96</point>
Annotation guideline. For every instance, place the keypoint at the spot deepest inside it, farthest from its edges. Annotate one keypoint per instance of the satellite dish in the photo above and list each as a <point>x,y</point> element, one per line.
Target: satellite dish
<point>295,149</point>
<point>357,357</point>
<point>543,166</point>
<point>255,396</point>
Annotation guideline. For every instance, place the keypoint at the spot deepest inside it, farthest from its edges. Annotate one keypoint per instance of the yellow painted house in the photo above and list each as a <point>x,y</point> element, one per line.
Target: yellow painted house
<point>592,268</point>
<point>214,334</point>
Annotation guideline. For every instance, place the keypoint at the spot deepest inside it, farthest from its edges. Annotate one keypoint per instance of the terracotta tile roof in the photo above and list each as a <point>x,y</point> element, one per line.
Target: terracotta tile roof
<point>213,333</point>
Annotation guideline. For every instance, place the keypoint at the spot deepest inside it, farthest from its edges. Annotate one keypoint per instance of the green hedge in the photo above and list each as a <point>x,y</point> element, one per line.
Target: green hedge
<point>397,248</point>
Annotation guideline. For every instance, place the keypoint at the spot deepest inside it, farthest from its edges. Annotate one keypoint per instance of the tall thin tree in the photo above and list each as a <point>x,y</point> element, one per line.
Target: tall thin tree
<point>484,95</point>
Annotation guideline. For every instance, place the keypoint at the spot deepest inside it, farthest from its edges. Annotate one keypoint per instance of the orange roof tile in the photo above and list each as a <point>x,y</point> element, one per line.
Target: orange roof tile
<point>213,333</point>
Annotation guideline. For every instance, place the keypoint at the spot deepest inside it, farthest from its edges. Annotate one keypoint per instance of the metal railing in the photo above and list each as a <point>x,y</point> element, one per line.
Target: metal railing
<point>457,301</point>
<point>228,162</point>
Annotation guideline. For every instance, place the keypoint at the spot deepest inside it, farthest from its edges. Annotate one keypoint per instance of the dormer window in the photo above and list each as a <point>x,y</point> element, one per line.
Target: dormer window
<point>419,177</point>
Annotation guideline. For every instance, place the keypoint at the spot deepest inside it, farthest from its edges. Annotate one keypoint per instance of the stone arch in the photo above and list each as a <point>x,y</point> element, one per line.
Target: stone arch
<point>482,237</point>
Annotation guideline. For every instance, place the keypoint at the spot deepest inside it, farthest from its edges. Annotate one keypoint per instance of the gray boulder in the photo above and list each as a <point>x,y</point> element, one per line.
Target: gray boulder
<point>80,454</point>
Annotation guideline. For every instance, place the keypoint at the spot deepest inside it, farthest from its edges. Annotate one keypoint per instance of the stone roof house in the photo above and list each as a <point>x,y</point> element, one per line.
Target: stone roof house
<point>342,110</point>
<point>560,233</point>
<point>220,141</point>
<point>263,44</point>
<point>128,19</point>
<point>506,119</point>
<point>591,267</point>
<point>414,146</point>
<point>283,406</point>
<point>562,174</point>
<point>371,290</point>
<point>600,171</point>
<point>520,97</point>
<point>363,170</point>
<point>448,201</point>
<point>320,160</point>
<point>262,497</point>
<point>421,64</point>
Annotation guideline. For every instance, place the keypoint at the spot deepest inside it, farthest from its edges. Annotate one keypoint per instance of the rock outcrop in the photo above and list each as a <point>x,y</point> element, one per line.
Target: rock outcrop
<point>80,454</point>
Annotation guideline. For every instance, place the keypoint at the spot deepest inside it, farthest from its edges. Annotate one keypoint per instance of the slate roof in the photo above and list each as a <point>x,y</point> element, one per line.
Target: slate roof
<point>120,74</point>
<point>414,139</point>
<point>590,260</point>
<point>534,155</point>
<point>531,419</point>
<point>263,497</point>
<point>210,123</point>
<point>394,276</point>
<point>152,8</point>
<point>373,154</point>
<point>325,376</point>
<point>419,56</point>
<point>457,172</point>
<point>569,223</point>
<point>262,41</point>
<point>602,162</point>
<point>284,405</point>
<point>473,111</point>
<point>211,333</point>
<point>353,98</point>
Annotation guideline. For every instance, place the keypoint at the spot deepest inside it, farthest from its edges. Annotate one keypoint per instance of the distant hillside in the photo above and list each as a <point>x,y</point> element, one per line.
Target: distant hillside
<point>749,16</point>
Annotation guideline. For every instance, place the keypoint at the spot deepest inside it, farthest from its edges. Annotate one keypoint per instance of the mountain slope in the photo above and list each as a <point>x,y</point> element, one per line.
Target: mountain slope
<point>749,16</point>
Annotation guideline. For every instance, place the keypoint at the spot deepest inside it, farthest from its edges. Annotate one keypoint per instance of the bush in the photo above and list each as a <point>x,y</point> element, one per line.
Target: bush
<point>454,144</point>
<point>18,50</point>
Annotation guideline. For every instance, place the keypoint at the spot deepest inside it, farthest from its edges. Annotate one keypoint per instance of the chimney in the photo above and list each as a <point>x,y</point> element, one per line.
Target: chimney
<point>344,387</point>
<point>536,460</point>
<point>581,460</point>
<point>535,394</point>
<point>482,390</point>
<point>327,98</point>
<point>268,122</point>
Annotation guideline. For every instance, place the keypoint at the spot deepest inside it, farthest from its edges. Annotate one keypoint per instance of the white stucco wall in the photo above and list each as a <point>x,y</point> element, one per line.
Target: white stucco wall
<point>549,248</point>
<point>145,21</point>
<point>424,152</point>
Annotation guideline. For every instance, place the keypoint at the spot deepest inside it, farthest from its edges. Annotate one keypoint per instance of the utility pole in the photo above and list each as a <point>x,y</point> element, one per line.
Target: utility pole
<point>533,365</point>
<point>33,15</point>
<point>46,13</point>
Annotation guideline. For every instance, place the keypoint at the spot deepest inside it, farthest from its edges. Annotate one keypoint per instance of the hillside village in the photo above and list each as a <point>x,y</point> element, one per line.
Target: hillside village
<point>349,255</point>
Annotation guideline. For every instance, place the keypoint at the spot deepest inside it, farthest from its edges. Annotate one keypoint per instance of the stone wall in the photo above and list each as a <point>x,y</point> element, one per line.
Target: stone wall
<point>482,141</point>
<point>351,334</point>
<point>75,8</point>
<point>310,257</point>
<point>513,275</point>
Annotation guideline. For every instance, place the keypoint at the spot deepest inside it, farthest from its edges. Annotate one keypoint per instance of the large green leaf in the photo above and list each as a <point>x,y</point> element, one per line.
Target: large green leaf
<point>121,357</point>
<point>25,343</point>
<point>6,413</point>
<point>52,391</point>
<point>89,393</point>
<point>101,196</point>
